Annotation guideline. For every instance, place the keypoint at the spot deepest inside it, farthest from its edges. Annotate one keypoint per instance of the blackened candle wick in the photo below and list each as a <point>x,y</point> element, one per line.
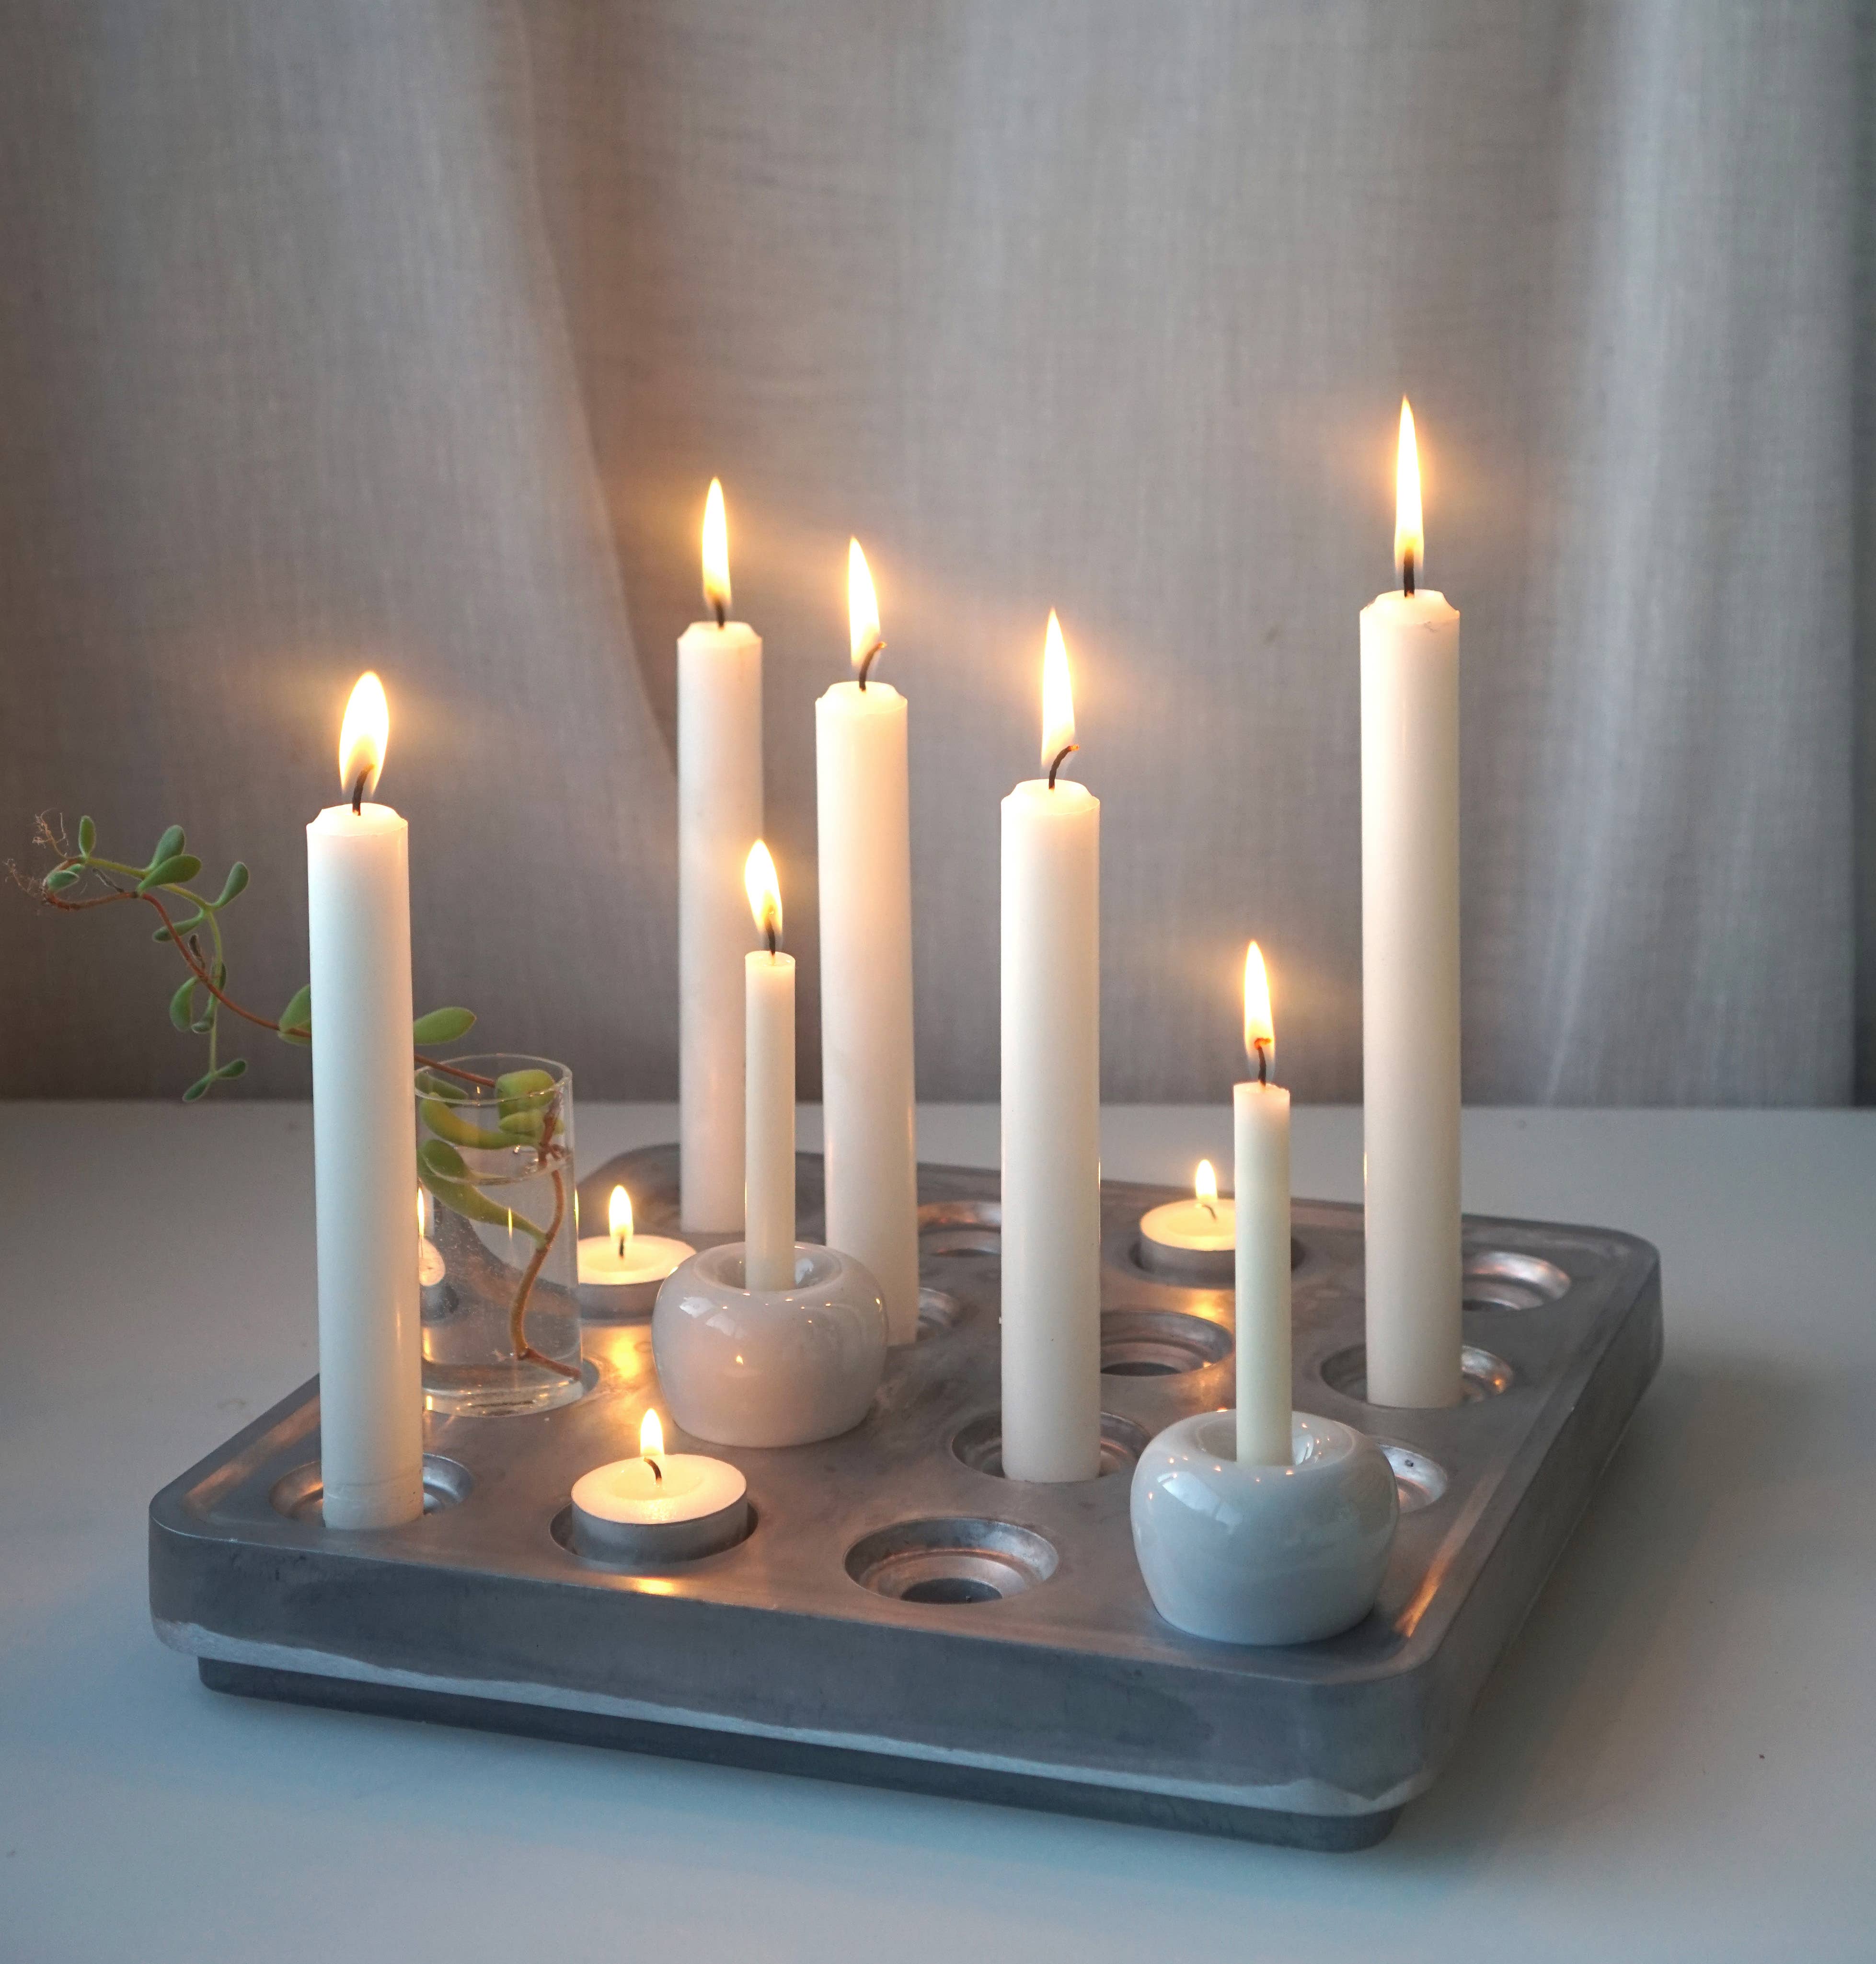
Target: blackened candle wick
<point>867,660</point>
<point>1061,757</point>
<point>657,1470</point>
<point>358,795</point>
<point>1407,573</point>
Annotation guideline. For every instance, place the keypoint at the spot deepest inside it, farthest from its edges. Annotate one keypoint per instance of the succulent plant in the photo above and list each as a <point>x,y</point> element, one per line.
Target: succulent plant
<point>526,1111</point>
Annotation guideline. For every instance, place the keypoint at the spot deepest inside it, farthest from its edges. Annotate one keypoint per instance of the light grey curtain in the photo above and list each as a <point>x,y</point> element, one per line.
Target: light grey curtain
<point>386,332</point>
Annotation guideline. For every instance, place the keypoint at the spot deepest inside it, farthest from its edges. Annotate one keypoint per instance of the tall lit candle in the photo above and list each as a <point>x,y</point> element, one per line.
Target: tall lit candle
<point>365,1139</point>
<point>769,1233</point>
<point>867,1083</point>
<point>719,814</point>
<point>1410,971</point>
<point>1051,1115</point>
<point>1260,1138</point>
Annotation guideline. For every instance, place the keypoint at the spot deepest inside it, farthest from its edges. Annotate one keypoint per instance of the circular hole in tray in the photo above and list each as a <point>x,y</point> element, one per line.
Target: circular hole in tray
<point>1159,1343</point>
<point>1482,1375</point>
<point>937,1312</point>
<point>1497,1279</point>
<point>1418,1480</point>
<point>961,1227</point>
<point>951,1561</point>
<point>561,1528</point>
<point>979,1443</point>
<point>1193,1268</point>
<point>300,1495</point>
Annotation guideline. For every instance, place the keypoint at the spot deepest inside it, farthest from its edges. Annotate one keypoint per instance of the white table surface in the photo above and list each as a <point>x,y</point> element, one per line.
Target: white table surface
<point>1673,1760</point>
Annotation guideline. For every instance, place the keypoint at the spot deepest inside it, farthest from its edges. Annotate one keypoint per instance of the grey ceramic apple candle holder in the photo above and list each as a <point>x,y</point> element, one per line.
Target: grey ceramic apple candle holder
<point>1262,1554</point>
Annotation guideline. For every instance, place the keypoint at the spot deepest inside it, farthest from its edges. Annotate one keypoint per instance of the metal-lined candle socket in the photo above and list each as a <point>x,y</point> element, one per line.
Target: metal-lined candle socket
<point>660,1507</point>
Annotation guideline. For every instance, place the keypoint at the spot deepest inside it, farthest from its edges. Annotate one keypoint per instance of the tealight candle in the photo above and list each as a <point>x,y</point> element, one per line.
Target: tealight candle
<point>660,1507</point>
<point>620,1270</point>
<point>1192,1239</point>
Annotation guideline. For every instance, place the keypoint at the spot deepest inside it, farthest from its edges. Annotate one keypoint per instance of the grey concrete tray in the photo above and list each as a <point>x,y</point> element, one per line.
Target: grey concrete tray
<point>902,1614</point>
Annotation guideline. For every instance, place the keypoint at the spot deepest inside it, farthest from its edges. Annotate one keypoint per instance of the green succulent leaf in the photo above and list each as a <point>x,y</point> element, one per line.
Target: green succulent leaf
<point>442,1159</point>
<point>472,1202</point>
<point>167,872</point>
<point>296,1020</point>
<point>447,1123</point>
<point>88,836</point>
<point>235,882</point>
<point>195,920</point>
<point>205,1021</point>
<point>234,1067</point>
<point>61,877</point>
<point>442,1026</point>
<point>167,846</point>
<point>161,934</point>
<point>179,1003</point>
<point>198,1088</point>
<point>434,1084</point>
<point>528,1125</point>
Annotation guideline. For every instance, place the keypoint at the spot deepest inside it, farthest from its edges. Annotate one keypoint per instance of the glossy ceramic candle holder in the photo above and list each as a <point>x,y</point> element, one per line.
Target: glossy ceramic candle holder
<point>1263,1554</point>
<point>769,1367</point>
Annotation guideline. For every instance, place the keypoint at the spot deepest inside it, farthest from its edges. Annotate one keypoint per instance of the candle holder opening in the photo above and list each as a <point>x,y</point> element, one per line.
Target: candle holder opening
<point>1159,1343</point>
<point>1482,1375</point>
<point>945,1563</point>
<point>1495,1279</point>
<point>300,1495</point>
<point>712,1535</point>
<point>961,1227</point>
<point>1418,1480</point>
<point>979,1443</point>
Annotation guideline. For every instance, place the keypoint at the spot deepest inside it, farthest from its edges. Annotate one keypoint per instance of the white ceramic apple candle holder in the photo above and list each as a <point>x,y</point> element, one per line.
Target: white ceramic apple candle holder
<point>1248,1554</point>
<point>769,1367</point>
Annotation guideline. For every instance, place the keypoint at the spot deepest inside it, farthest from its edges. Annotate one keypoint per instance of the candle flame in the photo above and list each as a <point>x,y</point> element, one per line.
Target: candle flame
<point>1058,696</point>
<point>716,552</point>
<point>863,608</point>
<point>764,893</point>
<point>1205,1185</point>
<point>1258,1026</point>
<point>619,1217</point>
<point>651,1436</point>
<point>1409,537</point>
<point>364,735</point>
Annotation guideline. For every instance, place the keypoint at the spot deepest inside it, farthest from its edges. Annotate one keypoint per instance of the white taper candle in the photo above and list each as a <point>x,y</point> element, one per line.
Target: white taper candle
<point>719,814</point>
<point>769,986</point>
<point>1051,1111</point>
<point>1410,977</point>
<point>364,1142</point>
<point>1261,1137</point>
<point>868,1131</point>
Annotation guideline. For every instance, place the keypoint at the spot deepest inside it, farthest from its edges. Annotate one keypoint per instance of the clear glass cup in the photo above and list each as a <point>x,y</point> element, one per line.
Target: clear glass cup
<point>499,1255</point>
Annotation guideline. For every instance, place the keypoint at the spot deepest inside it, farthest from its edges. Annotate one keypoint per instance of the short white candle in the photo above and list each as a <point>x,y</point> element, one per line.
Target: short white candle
<point>621,1257</point>
<point>866,1080</point>
<point>673,1505</point>
<point>1261,1140</point>
<point>364,1140</point>
<point>720,813</point>
<point>769,1199</point>
<point>1410,972</point>
<point>1051,1109</point>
